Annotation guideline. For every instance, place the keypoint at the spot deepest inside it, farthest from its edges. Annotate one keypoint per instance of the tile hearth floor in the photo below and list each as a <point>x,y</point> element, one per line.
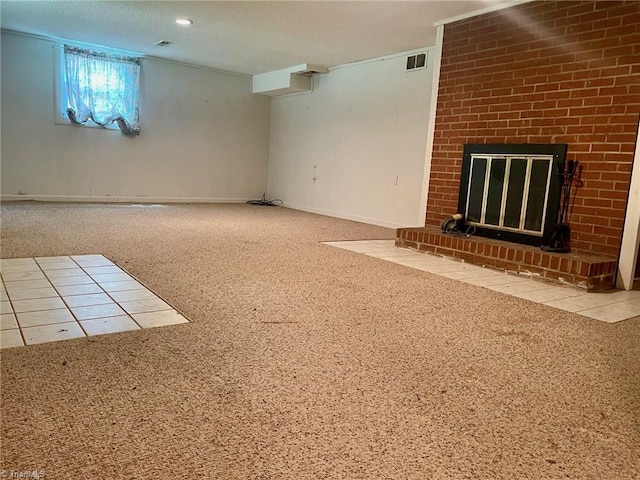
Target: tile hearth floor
<point>47,299</point>
<point>608,306</point>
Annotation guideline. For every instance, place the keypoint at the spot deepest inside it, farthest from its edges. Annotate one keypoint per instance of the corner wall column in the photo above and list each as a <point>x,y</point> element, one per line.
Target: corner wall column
<point>631,233</point>
<point>431,124</point>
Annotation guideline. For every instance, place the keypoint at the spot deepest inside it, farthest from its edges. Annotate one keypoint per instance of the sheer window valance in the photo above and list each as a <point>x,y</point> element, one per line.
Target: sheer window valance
<point>103,88</point>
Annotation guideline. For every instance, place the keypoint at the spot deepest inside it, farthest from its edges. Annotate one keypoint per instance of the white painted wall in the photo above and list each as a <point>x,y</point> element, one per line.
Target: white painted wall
<point>364,125</point>
<point>205,136</point>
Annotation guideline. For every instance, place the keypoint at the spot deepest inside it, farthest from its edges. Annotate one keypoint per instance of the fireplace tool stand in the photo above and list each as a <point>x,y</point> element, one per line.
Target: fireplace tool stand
<point>560,239</point>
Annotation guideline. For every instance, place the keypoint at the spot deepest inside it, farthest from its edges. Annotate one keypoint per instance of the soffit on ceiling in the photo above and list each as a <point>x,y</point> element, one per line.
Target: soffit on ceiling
<point>242,36</point>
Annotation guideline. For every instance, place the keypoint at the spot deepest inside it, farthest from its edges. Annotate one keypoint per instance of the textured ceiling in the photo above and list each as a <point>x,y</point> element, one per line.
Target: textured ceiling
<point>245,37</point>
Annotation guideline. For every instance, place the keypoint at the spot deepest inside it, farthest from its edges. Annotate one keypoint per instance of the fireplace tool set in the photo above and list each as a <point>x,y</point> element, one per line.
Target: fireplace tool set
<point>455,225</point>
<point>560,239</point>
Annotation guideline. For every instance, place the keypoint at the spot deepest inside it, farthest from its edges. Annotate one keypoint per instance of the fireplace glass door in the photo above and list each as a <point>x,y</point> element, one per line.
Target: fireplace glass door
<point>508,192</point>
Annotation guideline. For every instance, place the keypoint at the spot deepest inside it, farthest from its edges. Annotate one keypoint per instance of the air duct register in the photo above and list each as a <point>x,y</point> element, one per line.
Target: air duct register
<point>297,79</point>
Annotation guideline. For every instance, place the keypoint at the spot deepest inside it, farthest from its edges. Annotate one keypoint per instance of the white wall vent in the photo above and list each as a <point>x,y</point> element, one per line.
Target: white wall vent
<point>417,61</point>
<point>163,43</point>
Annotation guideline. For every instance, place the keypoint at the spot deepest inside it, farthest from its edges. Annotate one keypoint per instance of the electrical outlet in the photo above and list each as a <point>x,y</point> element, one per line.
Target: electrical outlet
<point>395,180</point>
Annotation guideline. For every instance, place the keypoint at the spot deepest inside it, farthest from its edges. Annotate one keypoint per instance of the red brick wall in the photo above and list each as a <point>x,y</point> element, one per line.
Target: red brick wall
<point>545,72</point>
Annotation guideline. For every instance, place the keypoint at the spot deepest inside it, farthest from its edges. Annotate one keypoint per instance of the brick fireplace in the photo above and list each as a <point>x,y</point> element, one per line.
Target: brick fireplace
<point>541,73</point>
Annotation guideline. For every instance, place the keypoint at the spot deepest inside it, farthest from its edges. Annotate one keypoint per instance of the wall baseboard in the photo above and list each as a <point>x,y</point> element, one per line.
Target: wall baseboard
<point>110,199</point>
<point>138,200</point>
<point>347,216</point>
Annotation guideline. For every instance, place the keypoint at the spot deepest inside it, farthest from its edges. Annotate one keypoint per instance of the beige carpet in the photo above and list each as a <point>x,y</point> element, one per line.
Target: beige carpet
<point>305,361</point>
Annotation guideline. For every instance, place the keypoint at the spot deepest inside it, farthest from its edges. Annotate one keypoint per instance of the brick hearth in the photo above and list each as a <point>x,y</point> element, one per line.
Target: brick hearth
<point>591,272</point>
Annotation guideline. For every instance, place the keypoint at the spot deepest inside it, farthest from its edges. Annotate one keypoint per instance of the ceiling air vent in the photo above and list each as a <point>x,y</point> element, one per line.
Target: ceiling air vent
<point>417,61</point>
<point>163,43</point>
<point>310,71</point>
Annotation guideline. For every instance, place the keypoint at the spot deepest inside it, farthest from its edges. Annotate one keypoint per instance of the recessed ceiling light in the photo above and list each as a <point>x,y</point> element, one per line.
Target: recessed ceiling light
<point>184,21</point>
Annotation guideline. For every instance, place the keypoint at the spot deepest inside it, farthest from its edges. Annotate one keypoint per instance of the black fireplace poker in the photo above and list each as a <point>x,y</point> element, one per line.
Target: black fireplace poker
<point>560,240</point>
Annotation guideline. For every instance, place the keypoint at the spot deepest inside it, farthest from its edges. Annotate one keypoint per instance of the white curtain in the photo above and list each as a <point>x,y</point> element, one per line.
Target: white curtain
<point>103,88</point>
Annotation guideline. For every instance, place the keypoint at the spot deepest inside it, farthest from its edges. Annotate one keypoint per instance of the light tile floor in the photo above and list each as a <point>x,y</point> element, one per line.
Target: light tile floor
<point>609,306</point>
<point>47,299</point>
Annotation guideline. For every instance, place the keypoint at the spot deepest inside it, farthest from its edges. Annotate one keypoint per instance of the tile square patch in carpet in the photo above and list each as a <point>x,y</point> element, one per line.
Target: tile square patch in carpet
<point>48,299</point>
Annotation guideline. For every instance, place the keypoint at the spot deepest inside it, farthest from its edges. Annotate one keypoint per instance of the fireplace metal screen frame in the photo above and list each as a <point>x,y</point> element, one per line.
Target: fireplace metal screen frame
<point>557,151</point>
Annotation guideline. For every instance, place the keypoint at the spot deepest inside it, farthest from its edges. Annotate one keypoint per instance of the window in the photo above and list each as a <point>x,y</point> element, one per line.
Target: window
<point>100,88</point>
